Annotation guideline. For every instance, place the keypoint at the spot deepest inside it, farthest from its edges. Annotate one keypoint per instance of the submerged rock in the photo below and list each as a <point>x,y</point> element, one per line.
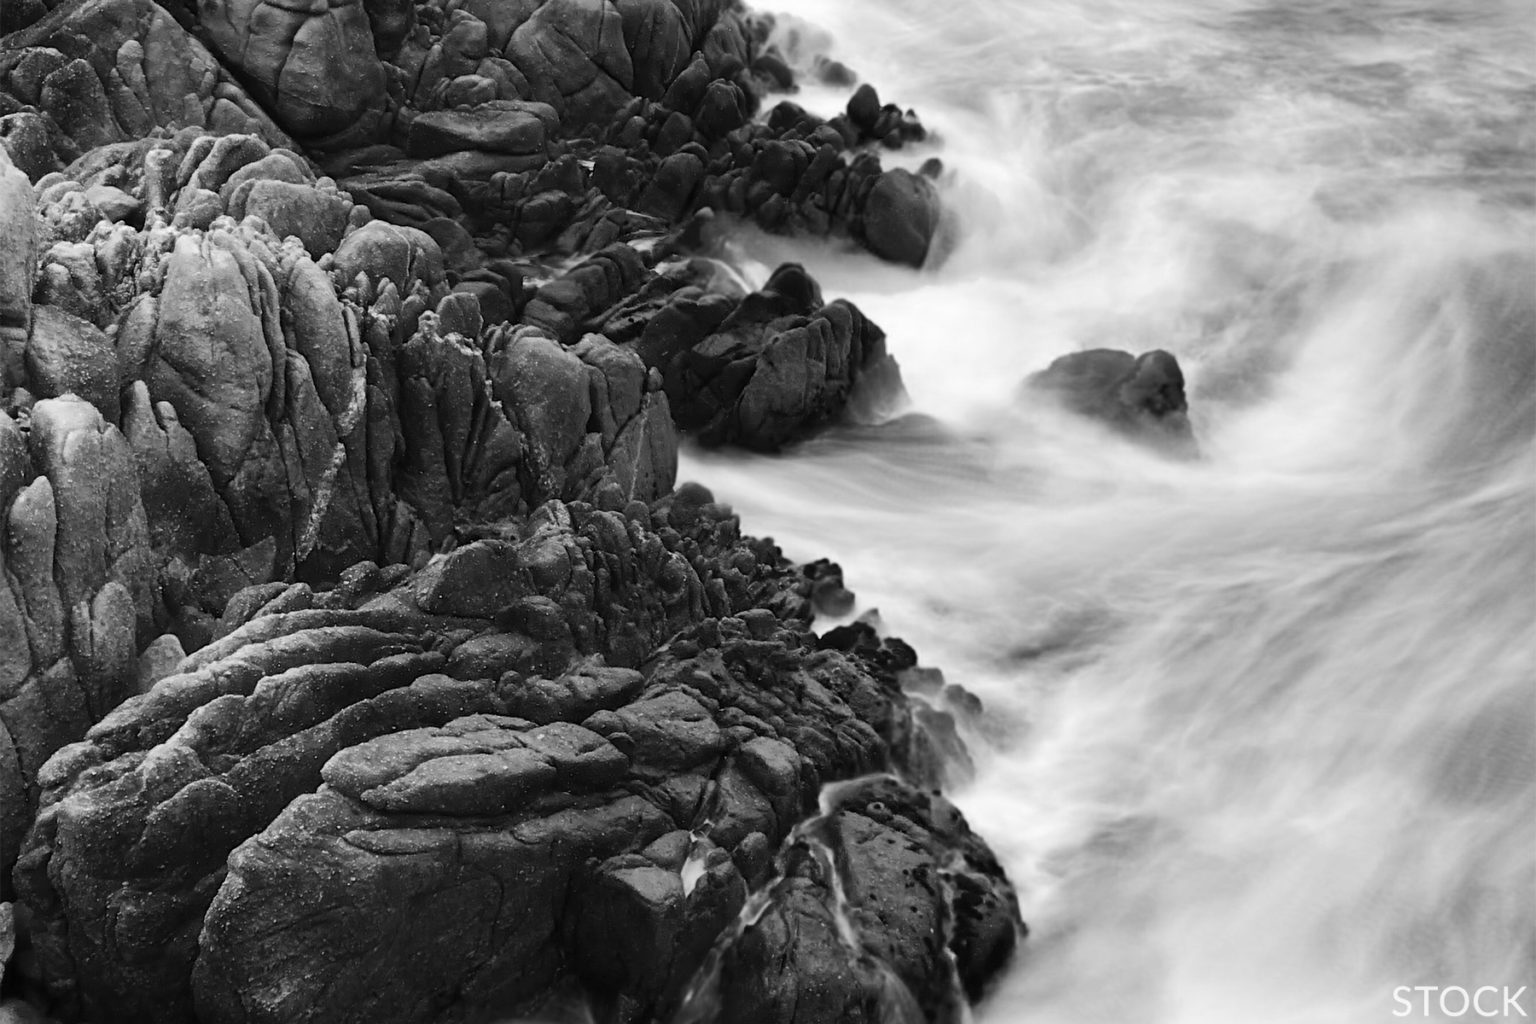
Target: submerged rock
<point>1141,396</point>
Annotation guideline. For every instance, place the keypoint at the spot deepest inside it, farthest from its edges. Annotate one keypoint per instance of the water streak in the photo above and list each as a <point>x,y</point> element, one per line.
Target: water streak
<point>1261,738</point>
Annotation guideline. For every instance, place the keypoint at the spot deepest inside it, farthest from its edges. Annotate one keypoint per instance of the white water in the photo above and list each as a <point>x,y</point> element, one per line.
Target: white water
<point>1261,732</point>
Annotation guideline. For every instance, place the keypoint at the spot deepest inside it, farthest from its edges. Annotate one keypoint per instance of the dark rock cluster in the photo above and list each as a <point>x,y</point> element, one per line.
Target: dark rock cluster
<point>360,656</point>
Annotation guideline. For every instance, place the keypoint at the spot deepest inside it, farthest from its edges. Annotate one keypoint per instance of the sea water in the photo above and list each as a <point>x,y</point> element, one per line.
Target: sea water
<point>1260,734</point>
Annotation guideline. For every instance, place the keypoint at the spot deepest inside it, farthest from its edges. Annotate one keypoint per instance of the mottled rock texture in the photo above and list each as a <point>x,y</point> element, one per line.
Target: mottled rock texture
<point>453,777</point>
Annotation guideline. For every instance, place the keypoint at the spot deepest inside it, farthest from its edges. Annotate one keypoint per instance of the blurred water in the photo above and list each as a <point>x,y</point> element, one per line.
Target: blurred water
<point>1261,730</point>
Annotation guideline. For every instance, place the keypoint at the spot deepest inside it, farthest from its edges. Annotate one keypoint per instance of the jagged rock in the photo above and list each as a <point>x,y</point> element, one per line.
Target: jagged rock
<point>547,385</point>
<point>928,907</point>
<point>75,590</point>
<point>567,305</point>
<point>248,722</point>
<point>24,135</point>
<point>210,358</point>
<point>502,796</point>
<point>132,69</point>
<point>561,752</point>
<point>70,279</point>
<point>315,66</point>
<point>160,659</point>
<point>1142,396</point>
<point>772,369</point>
<point>573,55</point>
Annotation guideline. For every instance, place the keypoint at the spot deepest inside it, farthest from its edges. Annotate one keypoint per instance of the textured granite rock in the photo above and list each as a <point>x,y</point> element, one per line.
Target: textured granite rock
<point>360,698</point>
<point>348,612</point>
<point>105,71</point>
<point>313,65</point>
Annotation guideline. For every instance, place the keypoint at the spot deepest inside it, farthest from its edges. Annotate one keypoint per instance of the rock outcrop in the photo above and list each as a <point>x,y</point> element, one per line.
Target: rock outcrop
<point>76,590</point>
<point>438,762</point>
<point>197,407</point>
<point>763,369</point>
<point>360,658</point>
<point>93,73</point>
<point>868,892</point>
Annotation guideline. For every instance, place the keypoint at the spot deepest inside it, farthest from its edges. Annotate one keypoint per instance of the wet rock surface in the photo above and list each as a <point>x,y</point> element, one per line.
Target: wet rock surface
<point>1140,396</point>
<point>360,656</point>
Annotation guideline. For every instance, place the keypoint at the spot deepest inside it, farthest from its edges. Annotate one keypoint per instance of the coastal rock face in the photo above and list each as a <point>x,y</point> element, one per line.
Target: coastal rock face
<point>360,658</point>
<point>76,595</point>
<point>250,417</point>
<point>898,871</point>
<point>779,365</point>
<point>403,746</point>
<point>1141,396</point>
<point>102,72</point>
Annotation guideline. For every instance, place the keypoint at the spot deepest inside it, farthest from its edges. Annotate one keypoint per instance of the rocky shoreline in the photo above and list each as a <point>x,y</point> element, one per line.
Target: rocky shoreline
<point>360,656</point>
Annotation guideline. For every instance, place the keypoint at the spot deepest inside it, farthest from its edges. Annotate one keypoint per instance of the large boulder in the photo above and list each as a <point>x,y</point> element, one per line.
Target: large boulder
<point>1140,396</point>
<point>898,872</point>
<point>404,255</point>
<point>316,218</point>
<point>500,126</point>
<point>573,55</point>
<point>900,217</point>
<point>765,369</point>
<point>314,64</point>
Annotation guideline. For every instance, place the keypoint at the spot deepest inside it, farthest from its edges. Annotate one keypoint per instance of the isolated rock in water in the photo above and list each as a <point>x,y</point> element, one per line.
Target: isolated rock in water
<point>1139,395</point>
<point>900,217</point>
